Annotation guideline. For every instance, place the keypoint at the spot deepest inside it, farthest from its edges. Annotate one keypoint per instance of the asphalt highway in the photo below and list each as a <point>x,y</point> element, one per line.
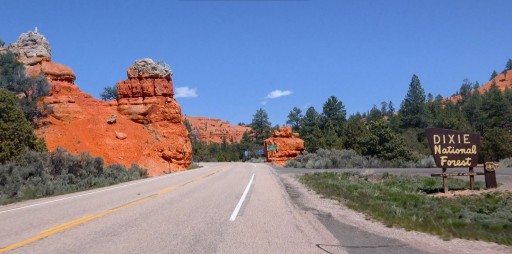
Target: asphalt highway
<point>197,211</point>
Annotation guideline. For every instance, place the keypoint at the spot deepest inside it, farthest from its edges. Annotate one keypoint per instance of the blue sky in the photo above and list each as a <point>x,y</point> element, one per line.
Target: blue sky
<point>238,56</point>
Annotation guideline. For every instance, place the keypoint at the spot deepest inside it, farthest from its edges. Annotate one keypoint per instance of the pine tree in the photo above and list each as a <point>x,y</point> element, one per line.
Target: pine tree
<point>310,120</point>
<point>496,110</point>
<point>261,126</point>
<point>391,109</point>
<point>294,119</point>
<point>413,109</point>
<point>508,66</point>
<point>334,115</point>
<point>375,114</point>
<point>493,75</point>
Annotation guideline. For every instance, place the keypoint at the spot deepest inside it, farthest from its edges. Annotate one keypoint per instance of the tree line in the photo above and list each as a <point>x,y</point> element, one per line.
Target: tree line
<point>385,132</point>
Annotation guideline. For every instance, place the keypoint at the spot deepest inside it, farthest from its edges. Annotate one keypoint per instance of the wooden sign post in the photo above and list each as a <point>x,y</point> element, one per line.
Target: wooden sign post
<point>454,149</point>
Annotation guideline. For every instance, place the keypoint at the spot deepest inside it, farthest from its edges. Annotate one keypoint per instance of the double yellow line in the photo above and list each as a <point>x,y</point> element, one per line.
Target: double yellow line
<point>87,218</point>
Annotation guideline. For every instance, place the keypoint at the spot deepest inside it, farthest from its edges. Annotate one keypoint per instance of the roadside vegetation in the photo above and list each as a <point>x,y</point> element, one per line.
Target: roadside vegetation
<point>333,158</point>
<point>404,201</point>
<point>27,169</point>
<point>389,137</point>
<point>41,174</point>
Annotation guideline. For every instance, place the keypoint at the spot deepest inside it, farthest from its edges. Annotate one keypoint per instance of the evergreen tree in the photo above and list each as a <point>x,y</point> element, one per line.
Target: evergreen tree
<point>16,135</point>
<point>261,127</point>
<point>356,133</point>
<point>294,119</point>
<point>391,109</point>
<point>451,117</point>
<point>310,120</point>
<point>472,111</point>
<point>310,131</point>
<point>493,75</point>
<point>334,115</point>
<point>384,108</point>
<point>375,114</point>
<point>10,71</point>
<point>508,66</point>
<point>476,85</point>
<point>496,111</point>
<point>412,110</point>
<point>465,91</point>
<point>385,144</point>
<point>109,93</point>
<point>13,78</point>
<point>496,144</point>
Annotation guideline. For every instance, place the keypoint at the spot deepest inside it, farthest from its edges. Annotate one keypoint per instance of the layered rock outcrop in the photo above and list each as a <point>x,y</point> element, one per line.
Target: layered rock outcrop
<point>146,97</point>
<point>215,130</point>
<point>147,129</point>
<point>284,145</point>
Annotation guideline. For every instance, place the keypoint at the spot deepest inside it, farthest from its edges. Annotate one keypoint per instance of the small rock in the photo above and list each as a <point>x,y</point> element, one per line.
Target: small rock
<point>112,119</point>
<point>121,135</point>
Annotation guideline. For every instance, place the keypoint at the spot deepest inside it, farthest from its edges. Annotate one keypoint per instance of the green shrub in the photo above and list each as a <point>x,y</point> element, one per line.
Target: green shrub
<point>324,158</point>
<point>16,134</point>
<point>40,174</point>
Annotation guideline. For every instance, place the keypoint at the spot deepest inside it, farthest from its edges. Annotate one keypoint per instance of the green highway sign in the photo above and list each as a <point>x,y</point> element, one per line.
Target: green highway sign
<point>271,147</point>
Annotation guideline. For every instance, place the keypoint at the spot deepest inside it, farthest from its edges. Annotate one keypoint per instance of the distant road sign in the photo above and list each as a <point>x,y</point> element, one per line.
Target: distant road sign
<point>272,147</point>
<point>261,152</point>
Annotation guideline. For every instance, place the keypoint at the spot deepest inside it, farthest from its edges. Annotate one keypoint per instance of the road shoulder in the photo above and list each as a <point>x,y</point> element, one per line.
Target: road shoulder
<point>358,234</point>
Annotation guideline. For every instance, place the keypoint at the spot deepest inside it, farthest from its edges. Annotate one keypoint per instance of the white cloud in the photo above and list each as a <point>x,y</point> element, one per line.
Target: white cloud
<point>185,92</point>
<point>263,103</point>
<point>278,93</point>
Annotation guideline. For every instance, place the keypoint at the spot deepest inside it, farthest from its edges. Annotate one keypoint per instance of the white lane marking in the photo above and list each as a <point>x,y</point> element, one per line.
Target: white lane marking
<point>239,205</point>
<point>253,165</point>
<point>94,192</point>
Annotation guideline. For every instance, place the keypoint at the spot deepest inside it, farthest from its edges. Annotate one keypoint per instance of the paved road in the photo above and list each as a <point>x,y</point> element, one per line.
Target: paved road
<point>198,211</point>
<point>180,213</point>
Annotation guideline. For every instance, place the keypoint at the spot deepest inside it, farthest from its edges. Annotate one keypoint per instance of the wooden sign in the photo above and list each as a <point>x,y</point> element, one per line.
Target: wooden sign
<point>453,149</point>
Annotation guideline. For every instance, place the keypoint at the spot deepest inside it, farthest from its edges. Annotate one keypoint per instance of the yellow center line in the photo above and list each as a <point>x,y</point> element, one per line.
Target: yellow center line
<point>87,218</point>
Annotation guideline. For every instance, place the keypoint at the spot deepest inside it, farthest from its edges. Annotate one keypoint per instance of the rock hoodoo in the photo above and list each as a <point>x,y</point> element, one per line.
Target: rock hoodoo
<point>284,145</point>
<point>147,129</point>
<point>214,130</point>
<point>146,97</point>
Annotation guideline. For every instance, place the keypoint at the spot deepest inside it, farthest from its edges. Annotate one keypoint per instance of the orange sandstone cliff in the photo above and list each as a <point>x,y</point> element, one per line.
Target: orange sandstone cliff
<point>502,81</point>
<point>214,130</point>
<point>284,145</point>
<point>144,127</point>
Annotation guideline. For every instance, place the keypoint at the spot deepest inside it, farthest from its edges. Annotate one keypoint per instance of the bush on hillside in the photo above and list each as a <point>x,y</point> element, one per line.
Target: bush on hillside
<point>16,135</point>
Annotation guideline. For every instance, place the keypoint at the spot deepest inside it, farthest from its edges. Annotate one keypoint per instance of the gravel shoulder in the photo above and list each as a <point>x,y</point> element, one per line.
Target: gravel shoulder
<point>399,240</point>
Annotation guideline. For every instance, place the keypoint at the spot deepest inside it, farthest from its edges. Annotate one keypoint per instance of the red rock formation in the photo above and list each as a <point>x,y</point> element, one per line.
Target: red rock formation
<point>146,97</point>
<point>502,81</point>
<point>214,130</point>
<point>288,146</point>
<point>78,122</point>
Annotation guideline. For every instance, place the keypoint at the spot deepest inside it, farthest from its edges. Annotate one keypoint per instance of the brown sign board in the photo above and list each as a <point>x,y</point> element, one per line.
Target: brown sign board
<point>453,149</point>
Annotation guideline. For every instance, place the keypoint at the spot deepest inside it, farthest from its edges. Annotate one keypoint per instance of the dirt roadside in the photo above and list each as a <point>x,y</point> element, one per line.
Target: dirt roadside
<point>309,201</point>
